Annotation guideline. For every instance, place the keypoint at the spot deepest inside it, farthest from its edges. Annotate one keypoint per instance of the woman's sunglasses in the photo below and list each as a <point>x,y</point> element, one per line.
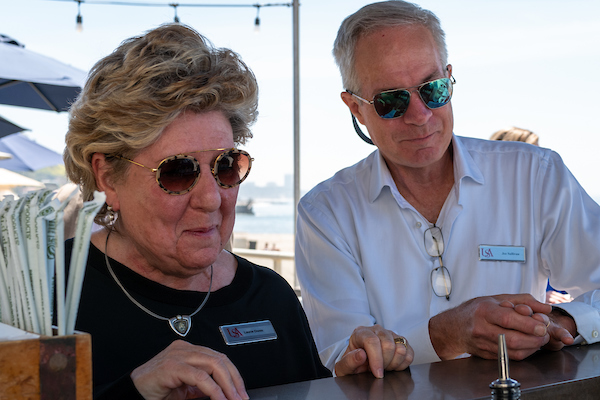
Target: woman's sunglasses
<point>394,103</point>
<point>179,174</point>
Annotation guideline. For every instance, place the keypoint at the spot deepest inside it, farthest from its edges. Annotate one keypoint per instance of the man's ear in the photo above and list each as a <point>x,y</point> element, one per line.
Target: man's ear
<point>353,105</point>
<point>104,180</point>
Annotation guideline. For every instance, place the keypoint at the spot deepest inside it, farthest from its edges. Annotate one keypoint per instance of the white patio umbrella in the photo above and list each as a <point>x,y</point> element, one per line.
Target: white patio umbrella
<point>29,79</point>
<point>9,180</point>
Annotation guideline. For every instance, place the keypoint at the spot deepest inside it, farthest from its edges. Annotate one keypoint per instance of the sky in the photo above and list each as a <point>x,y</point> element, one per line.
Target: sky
<point>525,63</point>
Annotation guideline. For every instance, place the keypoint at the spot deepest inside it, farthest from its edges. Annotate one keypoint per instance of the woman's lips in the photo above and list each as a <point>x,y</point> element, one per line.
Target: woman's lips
<point>202,231</point>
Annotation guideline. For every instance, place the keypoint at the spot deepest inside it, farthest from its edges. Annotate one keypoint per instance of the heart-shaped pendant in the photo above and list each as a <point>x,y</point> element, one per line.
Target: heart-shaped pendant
<point>181,324</point>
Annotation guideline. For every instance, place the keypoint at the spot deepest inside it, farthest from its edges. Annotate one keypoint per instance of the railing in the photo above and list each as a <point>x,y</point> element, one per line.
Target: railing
<point>277,258</point>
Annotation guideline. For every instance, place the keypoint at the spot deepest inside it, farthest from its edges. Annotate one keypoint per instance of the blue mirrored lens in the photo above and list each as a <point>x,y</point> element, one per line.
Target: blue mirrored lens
<point>391,104</point>
<point>437,93</point>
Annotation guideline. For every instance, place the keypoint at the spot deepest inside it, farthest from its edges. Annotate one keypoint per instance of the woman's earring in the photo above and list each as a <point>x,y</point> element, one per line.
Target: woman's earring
<point>110,216</point>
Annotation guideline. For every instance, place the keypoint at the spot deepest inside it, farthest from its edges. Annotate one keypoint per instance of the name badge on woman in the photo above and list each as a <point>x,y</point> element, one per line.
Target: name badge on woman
<point>248,333</point>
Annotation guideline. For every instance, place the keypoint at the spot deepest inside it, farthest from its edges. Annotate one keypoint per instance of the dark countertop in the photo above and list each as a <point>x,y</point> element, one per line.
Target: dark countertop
<point>573,372</point>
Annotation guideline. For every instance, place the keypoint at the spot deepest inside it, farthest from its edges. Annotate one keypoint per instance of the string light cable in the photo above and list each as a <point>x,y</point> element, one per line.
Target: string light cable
<point>79,18</point>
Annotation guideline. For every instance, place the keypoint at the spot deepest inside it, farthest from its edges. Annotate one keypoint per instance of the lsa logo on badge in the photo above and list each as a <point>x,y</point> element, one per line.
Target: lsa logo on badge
<point>486,253</point>
<point>234,332</point>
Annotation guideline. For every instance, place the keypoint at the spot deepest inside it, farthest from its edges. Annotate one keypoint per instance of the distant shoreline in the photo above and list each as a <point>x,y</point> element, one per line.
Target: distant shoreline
<point>282,241</point>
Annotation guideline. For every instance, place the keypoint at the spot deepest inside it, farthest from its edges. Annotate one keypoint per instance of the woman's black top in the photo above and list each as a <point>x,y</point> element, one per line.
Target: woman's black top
<point>125,337</point>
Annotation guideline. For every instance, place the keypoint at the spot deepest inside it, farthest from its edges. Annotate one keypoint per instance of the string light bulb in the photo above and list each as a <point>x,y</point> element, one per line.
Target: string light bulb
<point>79,19</point>
<point>175,18</point>
<point>257,19</point>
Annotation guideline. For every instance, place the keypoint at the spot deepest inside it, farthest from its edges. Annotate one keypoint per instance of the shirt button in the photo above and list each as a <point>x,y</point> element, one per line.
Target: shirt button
<point>418,224</point>
<point>595,334</point>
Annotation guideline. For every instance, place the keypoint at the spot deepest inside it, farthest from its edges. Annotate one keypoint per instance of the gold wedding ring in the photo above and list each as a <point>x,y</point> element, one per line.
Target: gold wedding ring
<point>548,324</point>
<point>402,340</point>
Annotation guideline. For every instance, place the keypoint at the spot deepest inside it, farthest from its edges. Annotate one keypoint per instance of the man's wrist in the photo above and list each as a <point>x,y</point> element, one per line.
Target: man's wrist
<point>439,336</point>
<point>564,319</point>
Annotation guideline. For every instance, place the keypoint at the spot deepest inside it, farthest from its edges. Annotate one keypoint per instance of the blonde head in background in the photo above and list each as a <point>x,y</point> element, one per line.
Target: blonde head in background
<point>514,134</point>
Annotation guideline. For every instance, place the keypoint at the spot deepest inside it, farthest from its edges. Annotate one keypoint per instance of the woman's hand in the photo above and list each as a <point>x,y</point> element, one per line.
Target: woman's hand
<point>185,371</point>
<point>553,297</point>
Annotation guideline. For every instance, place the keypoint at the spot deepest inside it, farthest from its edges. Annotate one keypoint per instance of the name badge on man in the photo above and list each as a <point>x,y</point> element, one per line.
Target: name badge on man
<point>248,333</point>
<point>501,253</point>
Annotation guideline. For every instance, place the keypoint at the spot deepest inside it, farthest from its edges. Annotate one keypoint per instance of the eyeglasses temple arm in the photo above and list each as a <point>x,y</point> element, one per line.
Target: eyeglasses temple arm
<point>138,164</point>
<point>359,131</point>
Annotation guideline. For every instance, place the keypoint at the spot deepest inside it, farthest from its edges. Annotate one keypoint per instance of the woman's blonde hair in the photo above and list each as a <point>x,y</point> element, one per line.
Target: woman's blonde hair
<point>132,94</point>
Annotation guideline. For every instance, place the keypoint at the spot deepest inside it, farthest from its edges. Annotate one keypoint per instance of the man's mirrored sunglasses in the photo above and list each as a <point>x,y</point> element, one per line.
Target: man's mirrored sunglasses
<point>179,174</point>
<point>394,103</point>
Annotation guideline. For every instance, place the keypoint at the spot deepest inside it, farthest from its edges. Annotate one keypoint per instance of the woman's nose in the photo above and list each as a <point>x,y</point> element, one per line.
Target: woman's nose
<point>207,192</point>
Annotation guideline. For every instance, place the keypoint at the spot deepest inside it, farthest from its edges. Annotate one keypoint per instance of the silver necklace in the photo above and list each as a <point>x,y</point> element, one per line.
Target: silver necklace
<point>181,324</point>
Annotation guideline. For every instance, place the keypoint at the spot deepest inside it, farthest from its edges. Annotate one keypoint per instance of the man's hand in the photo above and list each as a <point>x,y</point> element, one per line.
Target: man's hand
<point>562,330</point>
<point>374,349</point>
<point>474,326</point>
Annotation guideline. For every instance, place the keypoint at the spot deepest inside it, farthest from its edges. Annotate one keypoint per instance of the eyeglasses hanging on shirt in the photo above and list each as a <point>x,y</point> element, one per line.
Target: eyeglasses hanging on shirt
<point>440,276</point>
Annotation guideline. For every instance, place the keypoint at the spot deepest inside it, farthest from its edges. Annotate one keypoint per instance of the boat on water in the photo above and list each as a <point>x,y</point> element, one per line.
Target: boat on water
<point>244,207</point>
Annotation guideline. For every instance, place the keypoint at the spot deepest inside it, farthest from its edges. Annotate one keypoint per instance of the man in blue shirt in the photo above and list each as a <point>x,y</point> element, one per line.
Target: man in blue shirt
<point>446,240</point>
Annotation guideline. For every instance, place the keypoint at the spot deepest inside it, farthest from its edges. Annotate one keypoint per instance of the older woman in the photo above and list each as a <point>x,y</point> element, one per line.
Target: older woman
<point>170,312</point>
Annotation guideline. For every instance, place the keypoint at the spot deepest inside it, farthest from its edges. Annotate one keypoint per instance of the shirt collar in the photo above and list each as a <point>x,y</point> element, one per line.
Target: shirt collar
<point>464,167</point>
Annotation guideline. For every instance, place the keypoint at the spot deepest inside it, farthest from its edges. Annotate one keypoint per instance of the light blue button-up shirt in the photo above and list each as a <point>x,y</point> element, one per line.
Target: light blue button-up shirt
<point>361,259</point>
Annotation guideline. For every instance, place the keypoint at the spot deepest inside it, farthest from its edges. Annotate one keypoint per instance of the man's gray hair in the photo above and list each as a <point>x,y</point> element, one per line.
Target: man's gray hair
<point>376,16</point>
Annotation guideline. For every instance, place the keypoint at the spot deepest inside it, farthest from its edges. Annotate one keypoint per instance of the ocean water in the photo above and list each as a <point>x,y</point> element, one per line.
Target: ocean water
<point>273,217</point>
<point>270,216</point>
